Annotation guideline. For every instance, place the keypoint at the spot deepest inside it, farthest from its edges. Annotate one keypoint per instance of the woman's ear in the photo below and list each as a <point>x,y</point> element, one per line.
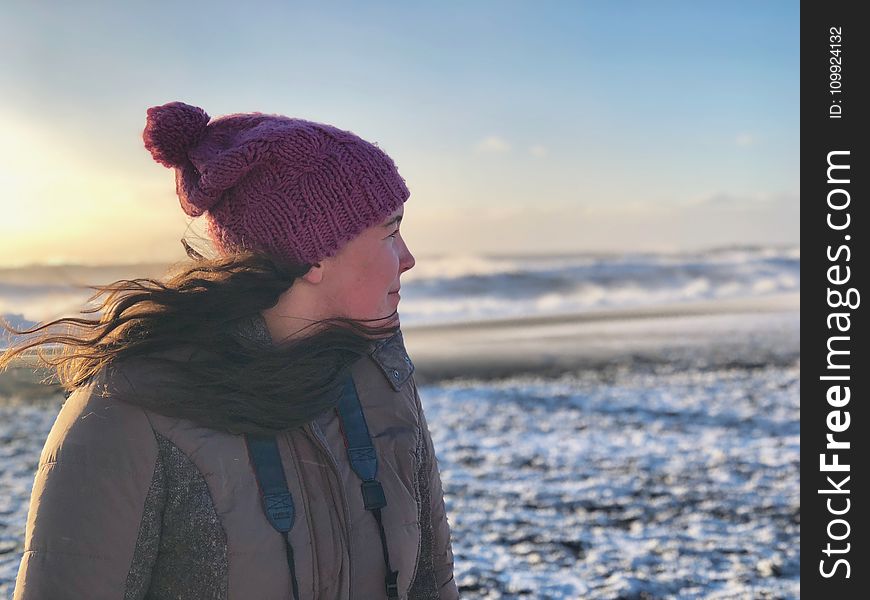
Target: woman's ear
<point>314,274</point>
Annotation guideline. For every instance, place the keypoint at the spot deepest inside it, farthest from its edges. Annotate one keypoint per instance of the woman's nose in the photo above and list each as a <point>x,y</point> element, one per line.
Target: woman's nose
<point>407,260</point>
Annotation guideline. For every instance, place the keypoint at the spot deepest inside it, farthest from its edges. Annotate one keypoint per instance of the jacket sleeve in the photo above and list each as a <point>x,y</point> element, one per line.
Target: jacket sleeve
<point>442,551</point>
<point>87,501</point>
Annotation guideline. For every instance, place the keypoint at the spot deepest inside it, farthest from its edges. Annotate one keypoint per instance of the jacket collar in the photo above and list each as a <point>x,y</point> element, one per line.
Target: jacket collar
<point>393,359</point>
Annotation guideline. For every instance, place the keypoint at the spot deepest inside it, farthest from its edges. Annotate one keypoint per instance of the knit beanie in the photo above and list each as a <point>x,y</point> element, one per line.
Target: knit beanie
<point>292,188</point>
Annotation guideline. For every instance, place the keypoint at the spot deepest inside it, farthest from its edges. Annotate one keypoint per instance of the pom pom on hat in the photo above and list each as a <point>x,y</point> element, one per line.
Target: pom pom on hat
<point>171,130</point>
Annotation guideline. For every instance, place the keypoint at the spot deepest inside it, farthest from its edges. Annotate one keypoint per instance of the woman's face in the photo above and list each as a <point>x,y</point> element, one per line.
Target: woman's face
<point>361,281</point>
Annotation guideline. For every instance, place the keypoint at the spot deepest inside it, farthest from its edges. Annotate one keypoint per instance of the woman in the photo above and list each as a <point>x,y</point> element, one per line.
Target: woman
<point>250,427</point>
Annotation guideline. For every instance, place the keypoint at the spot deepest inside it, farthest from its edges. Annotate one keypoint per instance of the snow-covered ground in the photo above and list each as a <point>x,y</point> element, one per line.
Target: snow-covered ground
<point>650,482</point>
<point>660,484</point>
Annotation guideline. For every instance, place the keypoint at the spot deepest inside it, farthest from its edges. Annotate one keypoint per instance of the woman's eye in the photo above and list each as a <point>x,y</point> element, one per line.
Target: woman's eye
<point>392,235</point>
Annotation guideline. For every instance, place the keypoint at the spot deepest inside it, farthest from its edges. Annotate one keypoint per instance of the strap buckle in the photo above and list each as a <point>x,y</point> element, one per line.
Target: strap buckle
<point>373,494</point>
<point>392,584</point>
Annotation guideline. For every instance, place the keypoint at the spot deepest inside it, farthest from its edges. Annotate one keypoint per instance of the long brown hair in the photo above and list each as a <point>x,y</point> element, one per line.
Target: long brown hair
<point>185,332</point>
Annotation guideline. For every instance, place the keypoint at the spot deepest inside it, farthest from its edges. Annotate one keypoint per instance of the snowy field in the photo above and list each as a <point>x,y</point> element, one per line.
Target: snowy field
<point>667,484</point>
<point>653,482</point>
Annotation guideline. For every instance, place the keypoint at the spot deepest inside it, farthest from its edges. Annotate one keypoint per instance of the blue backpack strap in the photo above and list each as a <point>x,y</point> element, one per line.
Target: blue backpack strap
<point>364,462</point>
<point>275,496</point>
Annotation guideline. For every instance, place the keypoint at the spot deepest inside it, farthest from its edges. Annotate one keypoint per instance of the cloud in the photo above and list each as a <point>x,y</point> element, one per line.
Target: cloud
<point>745,201</point>
<point>746,139</point>
<point>538,150</point>
<point>493,145</point>
<point>715,199</point>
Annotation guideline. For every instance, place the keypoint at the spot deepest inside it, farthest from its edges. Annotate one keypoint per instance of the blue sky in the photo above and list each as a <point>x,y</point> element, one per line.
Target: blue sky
<point>519,126</point>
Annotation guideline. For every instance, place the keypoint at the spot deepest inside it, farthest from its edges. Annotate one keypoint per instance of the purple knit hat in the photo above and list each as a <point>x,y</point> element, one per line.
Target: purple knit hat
<point>292,188</point>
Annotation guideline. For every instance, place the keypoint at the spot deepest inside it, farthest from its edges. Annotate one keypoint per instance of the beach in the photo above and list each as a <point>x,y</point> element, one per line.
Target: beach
<point>635,453</point>
<point>741,331</point>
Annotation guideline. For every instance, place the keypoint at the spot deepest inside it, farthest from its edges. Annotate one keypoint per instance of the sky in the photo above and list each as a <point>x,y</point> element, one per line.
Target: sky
<point>519,127</point>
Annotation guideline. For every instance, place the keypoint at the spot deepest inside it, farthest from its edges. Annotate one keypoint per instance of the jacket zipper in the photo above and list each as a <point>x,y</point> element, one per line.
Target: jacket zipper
<point>312,430</point>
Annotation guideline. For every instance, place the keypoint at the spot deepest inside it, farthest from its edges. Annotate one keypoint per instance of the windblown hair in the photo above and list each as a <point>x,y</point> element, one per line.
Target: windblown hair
<point>219,379</point>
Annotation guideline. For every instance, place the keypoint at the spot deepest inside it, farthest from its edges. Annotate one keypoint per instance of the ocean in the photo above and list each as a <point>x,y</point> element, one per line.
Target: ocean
<point>451,289</point>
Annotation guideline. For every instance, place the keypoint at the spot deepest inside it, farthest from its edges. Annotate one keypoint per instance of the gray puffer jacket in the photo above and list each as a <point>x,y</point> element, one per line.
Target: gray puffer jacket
<point>129,504</point>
